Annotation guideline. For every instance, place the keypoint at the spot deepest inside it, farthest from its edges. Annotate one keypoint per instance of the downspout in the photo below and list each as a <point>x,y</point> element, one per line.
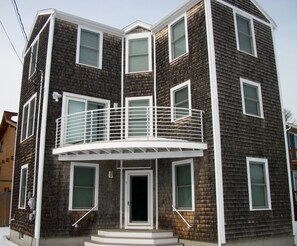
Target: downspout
<point>215,125</point>
<point>43,131</point>
<point>156,129</point>
<point>122,107</point>
<point>285,135</point>
<point>37,132</point>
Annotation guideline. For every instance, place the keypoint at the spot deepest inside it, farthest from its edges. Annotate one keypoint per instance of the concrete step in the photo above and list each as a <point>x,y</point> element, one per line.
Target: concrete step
<point>114,237</point>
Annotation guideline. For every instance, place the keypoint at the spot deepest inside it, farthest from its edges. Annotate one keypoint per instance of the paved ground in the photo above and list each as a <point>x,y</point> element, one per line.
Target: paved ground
<point>4,234</point>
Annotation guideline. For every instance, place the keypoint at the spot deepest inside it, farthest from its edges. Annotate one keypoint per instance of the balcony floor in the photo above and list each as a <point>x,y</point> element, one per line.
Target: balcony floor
<point>134,149</point>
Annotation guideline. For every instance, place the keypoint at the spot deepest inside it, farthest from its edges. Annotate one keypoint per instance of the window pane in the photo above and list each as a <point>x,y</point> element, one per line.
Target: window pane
<point>88,56</point>
<point>259,196</point>
<point>89,39</point>
<point>183,175</point>
<point>257,173</point>
<point>181,95</point>
<point>252,107</point>
<point>84,176</point>
<point>23,184</point>
<point>138,47</point>
<point>75,122</point>
<point>138,63</point>
<point>178,30</point>
<point>250,92</point>
<point>184,197</point>
<point>33,58</point>
<point>243,25</point>
<point>245,44</point>
<point>83,198</point>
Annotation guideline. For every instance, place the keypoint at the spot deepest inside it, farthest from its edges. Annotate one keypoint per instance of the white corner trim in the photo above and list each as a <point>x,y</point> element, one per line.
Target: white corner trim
<point>216,125</point>
<point>43,130</point>
<point>285,133</point>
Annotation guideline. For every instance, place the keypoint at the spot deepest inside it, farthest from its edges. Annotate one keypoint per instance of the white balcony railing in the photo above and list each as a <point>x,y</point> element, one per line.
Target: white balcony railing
<point>130,123</point>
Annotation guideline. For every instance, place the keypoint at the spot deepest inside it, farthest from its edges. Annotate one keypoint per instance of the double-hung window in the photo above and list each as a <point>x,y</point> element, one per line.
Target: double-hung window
<point>245,35</point>
<point>178,38</point>
<point>258,184</point>
<point>183,185</point>
<point>89,48</point>
<point>181,101</point>
<point>138,53</point>
<point>28,118</point>
<point>33,58</point>
<point>23,186</point>
<point>251,98</point>
<point>84,181</point>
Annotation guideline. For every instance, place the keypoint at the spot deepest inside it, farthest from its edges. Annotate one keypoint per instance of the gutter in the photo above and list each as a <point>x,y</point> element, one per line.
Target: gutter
<point>43,130</point>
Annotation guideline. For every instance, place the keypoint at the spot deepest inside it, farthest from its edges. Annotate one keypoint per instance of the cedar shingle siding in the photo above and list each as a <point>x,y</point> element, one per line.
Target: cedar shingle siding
<point>241,135</point>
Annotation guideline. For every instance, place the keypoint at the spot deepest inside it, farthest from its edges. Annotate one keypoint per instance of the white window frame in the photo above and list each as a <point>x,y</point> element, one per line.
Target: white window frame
<point>35,43</point>
<point>250,18</point>
<point>180,163</point>
<point>128,99</point>
<point>147,36</point>
<point>172,99</point>
<point>100,48</point>
<point>263,161</point>
<point>24,168</point>
<point>255,84</point>
<point>80,164</point>
<point>28,103</point>
<point>170,37</point>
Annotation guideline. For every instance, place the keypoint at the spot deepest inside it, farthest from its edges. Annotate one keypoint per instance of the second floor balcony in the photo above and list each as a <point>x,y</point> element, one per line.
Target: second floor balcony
<point>127,133</point>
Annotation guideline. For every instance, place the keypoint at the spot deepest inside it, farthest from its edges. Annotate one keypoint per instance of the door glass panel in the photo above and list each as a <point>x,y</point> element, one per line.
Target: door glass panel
<point>139,118</point>
<point>95,130</point>
<point>138,198</point>
<point>75,122</point>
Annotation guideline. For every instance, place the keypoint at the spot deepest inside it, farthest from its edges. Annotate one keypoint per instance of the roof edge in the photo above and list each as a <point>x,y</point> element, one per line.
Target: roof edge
<point>273,23</point>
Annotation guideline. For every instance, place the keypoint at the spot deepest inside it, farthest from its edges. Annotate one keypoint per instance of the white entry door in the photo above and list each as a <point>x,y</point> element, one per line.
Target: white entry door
<point>139,199</point>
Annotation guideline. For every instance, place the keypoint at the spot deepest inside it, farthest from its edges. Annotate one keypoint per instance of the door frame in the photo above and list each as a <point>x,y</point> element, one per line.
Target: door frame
<point>149,224</point>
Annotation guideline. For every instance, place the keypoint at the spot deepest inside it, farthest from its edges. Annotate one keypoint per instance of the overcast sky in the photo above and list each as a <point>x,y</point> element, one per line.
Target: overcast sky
<point>119,13</point>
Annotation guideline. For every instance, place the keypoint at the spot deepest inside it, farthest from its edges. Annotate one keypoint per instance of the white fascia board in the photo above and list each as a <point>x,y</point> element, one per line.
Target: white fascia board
<point>136,24</point>
<point>265,13</point>
<point>129,144</point>
<point>133,156</point>
<point>174,15</point>
<point>88,23</point>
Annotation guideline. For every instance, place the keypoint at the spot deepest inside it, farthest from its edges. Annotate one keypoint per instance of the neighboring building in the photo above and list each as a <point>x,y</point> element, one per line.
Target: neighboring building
<point>7,143</point>
<point>174,126</point>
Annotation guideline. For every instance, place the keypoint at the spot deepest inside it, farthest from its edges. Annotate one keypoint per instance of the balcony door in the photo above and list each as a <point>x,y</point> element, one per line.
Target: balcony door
<point>139,117</point>
<point>86,120</point>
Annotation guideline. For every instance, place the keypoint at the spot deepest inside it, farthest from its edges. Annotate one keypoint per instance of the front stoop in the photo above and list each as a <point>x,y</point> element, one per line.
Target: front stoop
<point>133,238</point>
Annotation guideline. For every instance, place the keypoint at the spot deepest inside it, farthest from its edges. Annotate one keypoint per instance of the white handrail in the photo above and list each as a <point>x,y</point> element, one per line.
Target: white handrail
<point>81,218</point>
<point>188,225</point>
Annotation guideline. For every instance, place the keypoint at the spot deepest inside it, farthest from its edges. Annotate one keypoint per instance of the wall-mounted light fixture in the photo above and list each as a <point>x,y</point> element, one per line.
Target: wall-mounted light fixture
<point>110,174</point>
<point>56,96</point>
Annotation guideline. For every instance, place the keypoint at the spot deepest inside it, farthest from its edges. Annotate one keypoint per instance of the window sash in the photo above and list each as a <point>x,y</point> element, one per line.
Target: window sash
<point>181,102</point>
